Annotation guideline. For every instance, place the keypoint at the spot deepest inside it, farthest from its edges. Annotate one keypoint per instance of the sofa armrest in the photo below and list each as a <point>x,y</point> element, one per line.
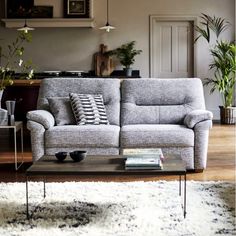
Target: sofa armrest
<point>203,125</point>
<point>42,117</point>
<point>196,116</point>
<point>37,139</point>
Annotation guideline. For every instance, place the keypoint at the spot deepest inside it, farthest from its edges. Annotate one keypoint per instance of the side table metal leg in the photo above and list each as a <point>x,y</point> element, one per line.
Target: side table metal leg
<point>22,145</point>
<point>27,199</point>
<point>15,148</point>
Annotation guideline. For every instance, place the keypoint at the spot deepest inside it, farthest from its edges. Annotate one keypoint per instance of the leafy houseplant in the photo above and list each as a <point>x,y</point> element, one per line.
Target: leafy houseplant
<point>126,54</point>
<point>223,63</point>
<point>13,60</point>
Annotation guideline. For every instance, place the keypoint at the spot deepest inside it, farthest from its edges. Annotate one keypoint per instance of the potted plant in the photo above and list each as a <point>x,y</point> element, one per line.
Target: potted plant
<point>223,63</point>
<point>11,60</point>
<point>126,54</point>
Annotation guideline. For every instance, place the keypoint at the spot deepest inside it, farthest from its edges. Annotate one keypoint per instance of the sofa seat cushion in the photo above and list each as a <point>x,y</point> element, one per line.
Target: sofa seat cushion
<point>92,136</point>
<point>156,136</point>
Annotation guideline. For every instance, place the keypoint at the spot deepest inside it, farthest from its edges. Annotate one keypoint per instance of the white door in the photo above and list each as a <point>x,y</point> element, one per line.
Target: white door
<point>171,49</point>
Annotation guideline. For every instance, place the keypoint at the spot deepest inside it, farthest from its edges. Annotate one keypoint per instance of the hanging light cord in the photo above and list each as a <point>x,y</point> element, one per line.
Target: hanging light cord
<point>107,27</point>
<point>107,11</point>
<point>25,24</point>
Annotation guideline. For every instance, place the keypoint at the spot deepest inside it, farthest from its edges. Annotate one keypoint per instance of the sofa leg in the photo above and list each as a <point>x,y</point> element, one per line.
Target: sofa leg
<point>198,170</point>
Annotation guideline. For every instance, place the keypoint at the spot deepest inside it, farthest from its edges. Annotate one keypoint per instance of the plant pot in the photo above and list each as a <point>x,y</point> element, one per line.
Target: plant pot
<point>128,72</point>
<point>1,93</point>
<point>3,112</point>
<point>227,115</point>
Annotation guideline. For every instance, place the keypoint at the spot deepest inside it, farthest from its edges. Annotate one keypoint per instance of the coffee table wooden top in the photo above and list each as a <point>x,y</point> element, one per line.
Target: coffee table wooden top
<point>100,165</point>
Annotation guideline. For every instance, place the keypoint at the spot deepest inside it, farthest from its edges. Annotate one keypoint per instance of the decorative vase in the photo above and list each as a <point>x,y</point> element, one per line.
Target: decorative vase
<point>11,110</point>
<point>128,71</point>
<point>3,112</point>
<point>227,115</point>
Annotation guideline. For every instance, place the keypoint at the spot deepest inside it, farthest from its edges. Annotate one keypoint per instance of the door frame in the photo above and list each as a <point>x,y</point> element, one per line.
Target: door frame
<point>154,18</point>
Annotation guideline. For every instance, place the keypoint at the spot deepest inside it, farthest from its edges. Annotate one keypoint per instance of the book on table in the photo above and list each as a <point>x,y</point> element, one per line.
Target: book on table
<point>143,167</point>
<point>143,159</point>
<point>143,162</point>
<point>143,151</point>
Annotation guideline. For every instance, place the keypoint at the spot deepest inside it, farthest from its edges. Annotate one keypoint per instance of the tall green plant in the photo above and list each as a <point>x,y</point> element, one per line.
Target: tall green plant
<point>223,54</point>
<point>208,23</point>
<point>224,63</point>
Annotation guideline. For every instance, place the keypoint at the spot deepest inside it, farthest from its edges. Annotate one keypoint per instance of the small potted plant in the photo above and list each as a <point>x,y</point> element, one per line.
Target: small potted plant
<point>126,54</point>
<point>223,64</point>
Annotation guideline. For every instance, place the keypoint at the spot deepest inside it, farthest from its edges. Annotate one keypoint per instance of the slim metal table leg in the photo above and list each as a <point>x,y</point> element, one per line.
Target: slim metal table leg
<point>44,187</point>
<point>27,199</point>
<point>15,148</point>
<point>180,179</point>
<point>22,144</point>
<point>185,197</point>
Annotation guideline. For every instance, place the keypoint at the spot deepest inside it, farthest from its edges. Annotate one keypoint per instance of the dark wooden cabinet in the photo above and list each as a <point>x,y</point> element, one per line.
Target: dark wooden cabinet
<point>25,97</point>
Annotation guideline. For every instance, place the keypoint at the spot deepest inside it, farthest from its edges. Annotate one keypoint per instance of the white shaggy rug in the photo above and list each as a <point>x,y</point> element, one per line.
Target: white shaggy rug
<point>119,209</point>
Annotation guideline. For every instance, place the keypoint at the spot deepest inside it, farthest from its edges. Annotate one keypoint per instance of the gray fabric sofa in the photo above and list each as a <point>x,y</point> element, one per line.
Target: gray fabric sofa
<point>143,113</point>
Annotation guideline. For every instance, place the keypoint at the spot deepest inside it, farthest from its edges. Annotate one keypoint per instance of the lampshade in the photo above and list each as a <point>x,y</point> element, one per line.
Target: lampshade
<point>107,27</point>
<point>25,28</point>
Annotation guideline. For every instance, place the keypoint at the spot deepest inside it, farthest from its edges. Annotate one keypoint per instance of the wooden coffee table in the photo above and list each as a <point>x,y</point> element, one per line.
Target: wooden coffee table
<point>101,165</point>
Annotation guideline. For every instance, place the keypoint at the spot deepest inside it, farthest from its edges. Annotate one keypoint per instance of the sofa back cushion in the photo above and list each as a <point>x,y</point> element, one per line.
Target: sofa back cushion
<point>88,109</point>
<point>160,101</point>
<point>61,87</point>
<point>61,109</point>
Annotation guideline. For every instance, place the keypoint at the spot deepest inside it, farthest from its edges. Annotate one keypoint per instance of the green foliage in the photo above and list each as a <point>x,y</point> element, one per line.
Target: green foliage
<point>208,23</point>
<point>224,64</point>
<point>13,60</point>
<point>126,54</point>
<point>223,54</point>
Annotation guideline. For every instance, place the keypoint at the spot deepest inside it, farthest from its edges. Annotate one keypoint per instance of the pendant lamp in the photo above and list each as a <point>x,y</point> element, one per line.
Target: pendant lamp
<point>107,27</point>
<point>25,28</point>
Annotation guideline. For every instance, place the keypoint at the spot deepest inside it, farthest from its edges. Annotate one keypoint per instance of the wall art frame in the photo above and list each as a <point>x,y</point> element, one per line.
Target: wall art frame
<point>77,8</point>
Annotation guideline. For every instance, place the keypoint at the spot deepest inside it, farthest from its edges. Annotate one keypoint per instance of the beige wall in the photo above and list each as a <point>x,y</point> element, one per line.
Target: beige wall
<point>73,48</point>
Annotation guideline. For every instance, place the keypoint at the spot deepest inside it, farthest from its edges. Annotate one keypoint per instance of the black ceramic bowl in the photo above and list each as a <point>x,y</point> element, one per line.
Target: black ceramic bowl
<point>61,156</point>
<point>78,155</point>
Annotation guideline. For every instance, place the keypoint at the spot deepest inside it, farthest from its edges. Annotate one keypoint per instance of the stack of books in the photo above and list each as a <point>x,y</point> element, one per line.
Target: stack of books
<point>143,159</point>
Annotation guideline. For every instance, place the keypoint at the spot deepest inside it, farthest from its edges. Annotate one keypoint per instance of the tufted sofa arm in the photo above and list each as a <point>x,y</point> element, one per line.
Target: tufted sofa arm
<point>42,117</point>
<point>196,116</point>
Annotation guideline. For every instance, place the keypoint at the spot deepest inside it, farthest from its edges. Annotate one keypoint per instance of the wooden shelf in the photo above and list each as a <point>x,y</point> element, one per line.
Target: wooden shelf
<point>25,82</point>
<point>50,22</point>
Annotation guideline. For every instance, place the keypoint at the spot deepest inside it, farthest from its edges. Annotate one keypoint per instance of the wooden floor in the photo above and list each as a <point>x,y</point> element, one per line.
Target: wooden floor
<point>220,166</point>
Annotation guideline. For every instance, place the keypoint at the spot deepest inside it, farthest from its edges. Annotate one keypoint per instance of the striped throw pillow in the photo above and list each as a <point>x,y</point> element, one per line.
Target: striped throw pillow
<point>88,109</point>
